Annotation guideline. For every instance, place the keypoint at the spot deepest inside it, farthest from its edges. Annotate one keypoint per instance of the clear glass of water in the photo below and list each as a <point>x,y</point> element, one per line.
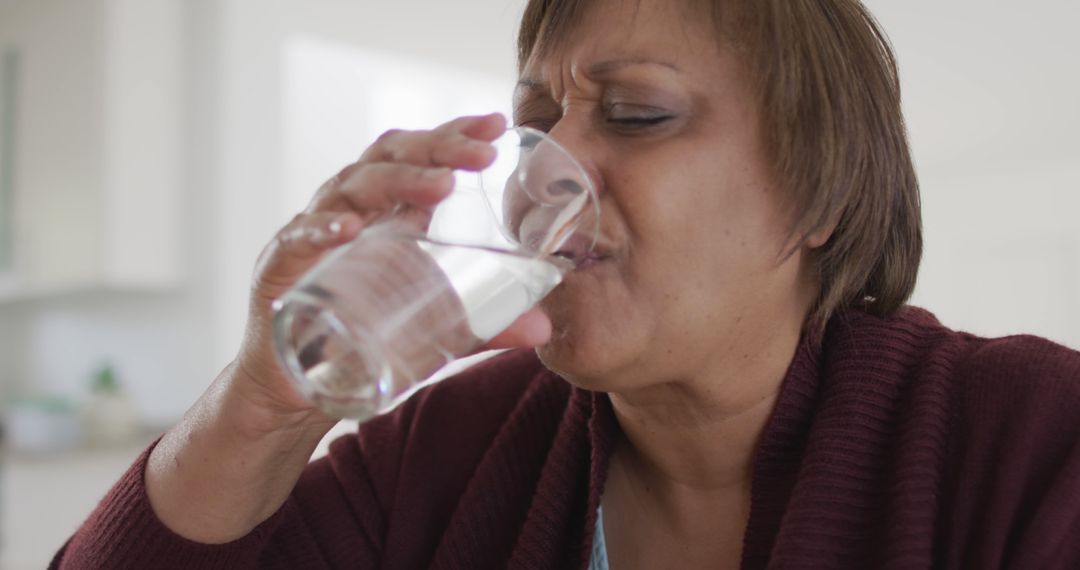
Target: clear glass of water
<point>379,316</point>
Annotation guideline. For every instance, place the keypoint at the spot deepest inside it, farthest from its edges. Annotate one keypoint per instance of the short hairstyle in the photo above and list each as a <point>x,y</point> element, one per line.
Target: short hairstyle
<point>828,96</point>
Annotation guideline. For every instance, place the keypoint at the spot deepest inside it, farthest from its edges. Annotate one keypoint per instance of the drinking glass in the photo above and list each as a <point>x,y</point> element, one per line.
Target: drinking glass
<point>378,316</point>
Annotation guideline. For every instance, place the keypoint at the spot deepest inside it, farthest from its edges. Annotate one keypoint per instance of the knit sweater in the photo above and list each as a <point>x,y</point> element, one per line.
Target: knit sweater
<point>894,443</point>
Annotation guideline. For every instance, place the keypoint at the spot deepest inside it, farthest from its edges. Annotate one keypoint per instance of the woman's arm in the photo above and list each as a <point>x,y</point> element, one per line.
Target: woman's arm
<point>236,456</point>
<point>239,451</point>
<point>229,464</point>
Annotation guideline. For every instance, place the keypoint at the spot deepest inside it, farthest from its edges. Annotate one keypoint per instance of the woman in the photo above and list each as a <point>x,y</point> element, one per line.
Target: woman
<point>734,383</point>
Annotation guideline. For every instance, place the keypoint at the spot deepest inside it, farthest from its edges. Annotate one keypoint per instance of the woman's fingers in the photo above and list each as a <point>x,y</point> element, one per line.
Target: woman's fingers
<point>484,127</point>
<point>411,167</point>
<point>460,144</point>
<point>299,246</point>
<point>431,148</point>
<point>379,187</point>
<point>530,329</point>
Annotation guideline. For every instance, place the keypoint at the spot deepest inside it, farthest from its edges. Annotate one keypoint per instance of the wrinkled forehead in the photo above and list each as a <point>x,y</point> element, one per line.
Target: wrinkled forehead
<point>657,29</point>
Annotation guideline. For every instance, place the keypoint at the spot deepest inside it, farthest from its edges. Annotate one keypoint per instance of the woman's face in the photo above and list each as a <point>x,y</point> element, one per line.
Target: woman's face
<point>688,273</point>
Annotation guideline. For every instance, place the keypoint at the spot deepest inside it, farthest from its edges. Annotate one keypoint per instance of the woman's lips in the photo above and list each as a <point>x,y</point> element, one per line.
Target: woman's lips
<point>589,261</point>
<point>581,251</point>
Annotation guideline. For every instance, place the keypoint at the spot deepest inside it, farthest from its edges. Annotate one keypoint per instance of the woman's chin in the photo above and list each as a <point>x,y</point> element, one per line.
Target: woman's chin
<point>580,358</point>
<point>568,353</point>
<point>589,338</point>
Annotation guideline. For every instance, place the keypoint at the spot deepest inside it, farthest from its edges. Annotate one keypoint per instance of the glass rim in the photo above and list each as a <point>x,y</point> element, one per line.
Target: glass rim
<point>589,186</point>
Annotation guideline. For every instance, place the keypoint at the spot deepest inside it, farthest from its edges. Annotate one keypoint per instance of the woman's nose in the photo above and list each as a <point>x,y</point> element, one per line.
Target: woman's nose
<point>575,140</point>
<point>553,176</point>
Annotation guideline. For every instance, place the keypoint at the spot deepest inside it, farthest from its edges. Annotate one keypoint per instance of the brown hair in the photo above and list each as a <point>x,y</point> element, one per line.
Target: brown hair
<point>829,100</point>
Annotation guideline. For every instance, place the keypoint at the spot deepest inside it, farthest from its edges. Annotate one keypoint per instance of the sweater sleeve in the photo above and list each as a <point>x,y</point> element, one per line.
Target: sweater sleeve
<point>1016,457</point>
<point>308,531</point>
<point>124,532</point>
<point>345,505</point>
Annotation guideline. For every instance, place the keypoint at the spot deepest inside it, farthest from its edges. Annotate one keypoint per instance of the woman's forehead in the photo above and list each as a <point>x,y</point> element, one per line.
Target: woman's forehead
<point>615,34</point>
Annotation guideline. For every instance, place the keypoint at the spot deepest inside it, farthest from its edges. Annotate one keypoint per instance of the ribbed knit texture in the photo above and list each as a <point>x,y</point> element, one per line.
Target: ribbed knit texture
<point>893,444</point>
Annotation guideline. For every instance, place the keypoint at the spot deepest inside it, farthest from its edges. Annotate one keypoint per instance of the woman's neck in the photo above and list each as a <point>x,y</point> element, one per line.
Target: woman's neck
<point>679,482</point>
<point>699,435</point>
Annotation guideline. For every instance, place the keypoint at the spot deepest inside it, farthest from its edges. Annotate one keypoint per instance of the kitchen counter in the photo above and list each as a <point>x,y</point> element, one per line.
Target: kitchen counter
<point>44,497</point>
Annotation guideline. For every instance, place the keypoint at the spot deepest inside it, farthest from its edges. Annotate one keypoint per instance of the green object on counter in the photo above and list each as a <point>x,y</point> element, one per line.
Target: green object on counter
<point>105,381</point>
<point>44,403</point>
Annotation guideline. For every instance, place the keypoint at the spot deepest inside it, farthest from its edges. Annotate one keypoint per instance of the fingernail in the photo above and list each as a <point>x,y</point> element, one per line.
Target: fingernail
<point>338,225</point>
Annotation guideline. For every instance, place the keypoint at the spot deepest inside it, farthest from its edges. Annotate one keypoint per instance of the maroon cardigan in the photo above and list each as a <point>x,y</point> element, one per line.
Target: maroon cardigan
<point>894,444</point>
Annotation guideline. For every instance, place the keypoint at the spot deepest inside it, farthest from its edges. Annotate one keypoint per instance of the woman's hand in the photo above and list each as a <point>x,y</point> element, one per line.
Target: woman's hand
<point>414,169</point>
<point>237,454</point>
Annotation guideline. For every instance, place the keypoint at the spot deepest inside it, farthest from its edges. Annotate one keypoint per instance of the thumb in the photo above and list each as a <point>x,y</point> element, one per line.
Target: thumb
<point>530,329</point>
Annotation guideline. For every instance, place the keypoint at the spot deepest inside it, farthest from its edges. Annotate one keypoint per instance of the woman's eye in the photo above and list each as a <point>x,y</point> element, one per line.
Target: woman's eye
<point>639,121</point>
<point>636,117</point>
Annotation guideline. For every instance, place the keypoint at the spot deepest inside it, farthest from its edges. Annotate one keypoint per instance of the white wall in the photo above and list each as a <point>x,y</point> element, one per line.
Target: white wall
<point>476,37</point>
<point>990,94</point>
<point>144,93</point>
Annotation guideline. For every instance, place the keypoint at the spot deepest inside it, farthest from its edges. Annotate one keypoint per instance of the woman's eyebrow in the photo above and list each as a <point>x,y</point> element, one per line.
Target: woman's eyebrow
<point>599,69</point>
<point>611,66</point>
<point>531,84</point>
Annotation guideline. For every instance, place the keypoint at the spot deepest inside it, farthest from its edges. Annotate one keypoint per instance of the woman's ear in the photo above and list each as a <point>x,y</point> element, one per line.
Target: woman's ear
<point>820,236</point>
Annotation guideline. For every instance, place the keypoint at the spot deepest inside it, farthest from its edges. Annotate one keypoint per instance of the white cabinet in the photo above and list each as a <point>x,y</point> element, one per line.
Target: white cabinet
<point>96,159</point>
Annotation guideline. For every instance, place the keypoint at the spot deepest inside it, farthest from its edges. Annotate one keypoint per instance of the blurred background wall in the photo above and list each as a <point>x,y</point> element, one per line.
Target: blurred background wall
<point>154,146</point>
